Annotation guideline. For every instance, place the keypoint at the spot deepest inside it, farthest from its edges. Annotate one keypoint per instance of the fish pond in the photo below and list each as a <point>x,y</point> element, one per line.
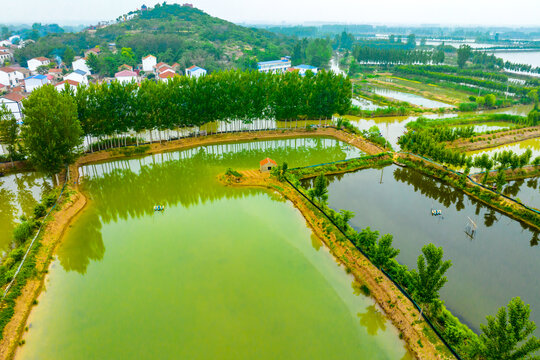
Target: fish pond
<point>488,269</point>
<point>222,273</point>
<point>410,98</point>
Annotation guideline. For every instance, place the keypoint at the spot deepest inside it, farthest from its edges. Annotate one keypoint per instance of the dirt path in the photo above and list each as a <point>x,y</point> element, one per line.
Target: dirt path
<point>397,307</point>
<point>357,141</point>
<point>51,238</point>
<point>497,139</point>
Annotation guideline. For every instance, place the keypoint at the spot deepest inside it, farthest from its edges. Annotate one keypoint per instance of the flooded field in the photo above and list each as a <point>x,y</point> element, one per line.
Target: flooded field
<point>410,98</point>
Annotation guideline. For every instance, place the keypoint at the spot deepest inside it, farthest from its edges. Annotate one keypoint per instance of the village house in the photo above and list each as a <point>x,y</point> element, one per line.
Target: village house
<point>96,51</point>
<point>10,76</point>
<point>267,165</point>
<point>166,76</point>
<point>148,63</point>
<point>56,74</point>
<point>34,63</point>
<point>302,69</point>
<point>77,76</point>
<point>22,71</point>
<point>69,83</point>
<point>275,66</point>
<point>195,71</point>
<point>13,102</point>
<point>6,55</point>
<point>125,67</point>
<point>33,82</point>
<point>126,76</point>
<point>80,64</point>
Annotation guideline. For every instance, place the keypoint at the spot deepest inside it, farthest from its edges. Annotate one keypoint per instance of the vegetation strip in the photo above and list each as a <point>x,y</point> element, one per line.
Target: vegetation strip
<point>388,276</point>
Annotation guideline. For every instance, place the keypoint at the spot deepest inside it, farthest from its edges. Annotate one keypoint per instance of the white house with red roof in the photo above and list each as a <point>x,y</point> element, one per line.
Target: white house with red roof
<point>148,63</point>
<point>34,63</point>
<point>96,51</point>
<point>10,76</point>
<point>80,64</point>
<point>67,83</point>
<point>126,76</point>
<point>13,102</point>
<point>195,71</point>
<point>267,165</point>
<point>78,76</point>
<point>166,76</point>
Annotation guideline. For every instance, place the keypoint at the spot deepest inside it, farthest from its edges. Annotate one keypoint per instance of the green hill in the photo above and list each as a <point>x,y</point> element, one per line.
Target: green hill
<point>173,33</point>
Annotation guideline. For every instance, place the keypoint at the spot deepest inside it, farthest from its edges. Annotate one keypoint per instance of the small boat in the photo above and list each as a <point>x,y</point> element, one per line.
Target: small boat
<point>159,208</point>
<point>436,212</point>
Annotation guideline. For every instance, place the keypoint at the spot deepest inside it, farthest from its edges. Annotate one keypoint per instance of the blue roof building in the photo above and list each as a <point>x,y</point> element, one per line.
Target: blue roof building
<point>275,66</point>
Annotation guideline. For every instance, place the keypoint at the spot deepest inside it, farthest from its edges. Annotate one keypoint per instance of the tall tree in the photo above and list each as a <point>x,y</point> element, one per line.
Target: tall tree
<point>429,278</point>
<point>508,335</point>
<point>384,252</point>
<point>51,130</point>
<point>463,54</point>
<point>68,56</point>
<point>8,130</point>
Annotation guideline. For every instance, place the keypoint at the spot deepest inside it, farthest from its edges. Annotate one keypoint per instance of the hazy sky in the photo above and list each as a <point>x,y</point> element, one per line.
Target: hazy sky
<point>460,12</point>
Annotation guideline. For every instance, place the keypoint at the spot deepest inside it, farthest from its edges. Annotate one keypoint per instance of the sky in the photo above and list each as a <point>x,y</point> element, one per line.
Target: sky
<point>392,12</point>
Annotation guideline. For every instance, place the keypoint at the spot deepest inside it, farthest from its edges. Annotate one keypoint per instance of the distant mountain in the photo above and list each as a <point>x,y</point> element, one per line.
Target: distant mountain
<point>173,33</point>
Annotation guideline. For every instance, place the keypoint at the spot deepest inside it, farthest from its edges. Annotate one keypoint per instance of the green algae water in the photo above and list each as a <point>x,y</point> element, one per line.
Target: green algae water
<point>500,262</point>
<point>19,194</point>
<point>222,273</point>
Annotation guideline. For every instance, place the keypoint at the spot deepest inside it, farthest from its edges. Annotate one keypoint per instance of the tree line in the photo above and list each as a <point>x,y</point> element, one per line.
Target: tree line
<point>396,56</point>
<point>55,123</point>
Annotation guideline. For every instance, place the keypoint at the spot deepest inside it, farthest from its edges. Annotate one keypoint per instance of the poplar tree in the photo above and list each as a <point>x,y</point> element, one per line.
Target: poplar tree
<point>8,130</point>
<point>51,130</point>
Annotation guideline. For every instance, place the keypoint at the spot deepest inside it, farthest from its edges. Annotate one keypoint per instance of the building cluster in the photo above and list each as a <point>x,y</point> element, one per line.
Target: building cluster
<point>17,82</point>
<point>283,65</point>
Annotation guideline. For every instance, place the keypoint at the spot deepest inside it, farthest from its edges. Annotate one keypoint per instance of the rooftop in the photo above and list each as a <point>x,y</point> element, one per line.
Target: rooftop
<point>306,67</point>
<point>70,82</point>
<point>125,73</point>
<point>41,58</point>
<point>274,62</point>
<point>14,97</point>
<point>266,161</point>
<point>37,77</point>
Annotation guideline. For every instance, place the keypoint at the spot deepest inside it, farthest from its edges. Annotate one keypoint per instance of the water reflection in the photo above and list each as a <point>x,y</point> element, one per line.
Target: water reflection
<point>410,98</point>
<point>19,194</point>
<point>373,320</point>
<point>500,262</point>
<point>126,189</point>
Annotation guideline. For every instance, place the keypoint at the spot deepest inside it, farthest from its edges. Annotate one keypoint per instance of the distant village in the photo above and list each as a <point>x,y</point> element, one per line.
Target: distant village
<point>18,82</point>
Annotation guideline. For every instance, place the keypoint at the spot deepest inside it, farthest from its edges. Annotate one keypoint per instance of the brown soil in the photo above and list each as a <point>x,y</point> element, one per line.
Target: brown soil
<point>51,238</point>
<point>497,139</point>
<point>357,141</point>
<point>397,307</point>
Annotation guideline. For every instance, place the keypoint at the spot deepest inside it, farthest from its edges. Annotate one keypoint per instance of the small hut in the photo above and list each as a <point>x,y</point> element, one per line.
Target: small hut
<point>267,165</point>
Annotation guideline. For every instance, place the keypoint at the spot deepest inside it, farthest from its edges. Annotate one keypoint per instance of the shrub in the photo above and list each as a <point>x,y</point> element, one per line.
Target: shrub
<point>39,211</point>
<point>17,254</point>
<point>22,232</point>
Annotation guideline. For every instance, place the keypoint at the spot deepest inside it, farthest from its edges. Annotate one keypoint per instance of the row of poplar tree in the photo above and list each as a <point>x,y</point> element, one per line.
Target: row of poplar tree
<point>56,122</point>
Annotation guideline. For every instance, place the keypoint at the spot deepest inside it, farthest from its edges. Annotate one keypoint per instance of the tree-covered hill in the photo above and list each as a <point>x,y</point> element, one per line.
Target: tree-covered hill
<point>173,33</point>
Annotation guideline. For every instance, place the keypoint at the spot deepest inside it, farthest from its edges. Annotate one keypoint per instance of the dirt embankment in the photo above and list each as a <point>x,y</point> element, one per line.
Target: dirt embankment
<point>397,307</point>
<point>488,141</point>
<point>52,234</point>
<point>357,141</point>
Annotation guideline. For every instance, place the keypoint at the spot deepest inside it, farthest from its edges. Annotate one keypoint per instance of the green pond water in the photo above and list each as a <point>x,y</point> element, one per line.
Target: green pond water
<point>19,194</point>
<point>499,263</point>
<point>518,147</point>
<point>223,273</point>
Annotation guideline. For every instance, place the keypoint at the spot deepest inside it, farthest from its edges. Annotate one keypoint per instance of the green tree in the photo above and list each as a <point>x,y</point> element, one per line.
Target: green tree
<point>51,130</point>
<point>463,54</point>
<point>319,188</point>
<point>43,69</point>
<point>508,335</point>
<point>411,41</point>
<point>344,218</point>
<point>8,130</point>
<point>68,56</point>
<point>429,278</point>
<point>490,100</point>
<point>384,252</point>
<point>500,180</point>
